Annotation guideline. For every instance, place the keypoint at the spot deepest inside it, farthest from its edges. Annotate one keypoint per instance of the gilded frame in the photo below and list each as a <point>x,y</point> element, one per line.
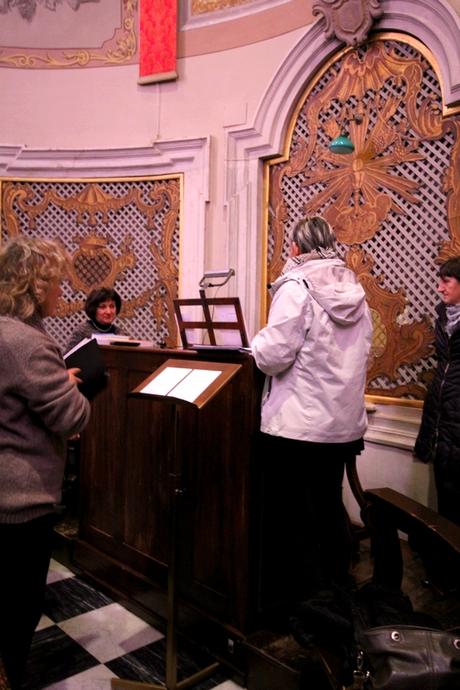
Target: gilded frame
<point>284,157</point>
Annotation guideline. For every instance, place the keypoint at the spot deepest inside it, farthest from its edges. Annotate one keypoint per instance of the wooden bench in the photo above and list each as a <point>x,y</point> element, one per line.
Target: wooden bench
<point>387,512</point>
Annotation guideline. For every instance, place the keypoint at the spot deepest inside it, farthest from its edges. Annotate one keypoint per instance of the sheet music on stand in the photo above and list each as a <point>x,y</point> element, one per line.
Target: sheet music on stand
<point>187,381</point>
<point>222,322</point>
<point>178,382</point>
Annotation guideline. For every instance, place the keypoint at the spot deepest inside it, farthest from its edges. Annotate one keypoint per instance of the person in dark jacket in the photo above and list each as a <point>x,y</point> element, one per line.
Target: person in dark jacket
<point>438,440</point>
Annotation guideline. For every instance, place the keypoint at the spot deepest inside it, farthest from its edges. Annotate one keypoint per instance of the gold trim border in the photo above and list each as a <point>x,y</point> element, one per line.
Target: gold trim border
<point>387,400</point>
<point>284,156</point>
<point>314,78</point>
<point>124,178</point>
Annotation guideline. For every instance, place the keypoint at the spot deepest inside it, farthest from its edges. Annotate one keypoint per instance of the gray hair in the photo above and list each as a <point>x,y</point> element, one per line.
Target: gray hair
<point>313,233</point>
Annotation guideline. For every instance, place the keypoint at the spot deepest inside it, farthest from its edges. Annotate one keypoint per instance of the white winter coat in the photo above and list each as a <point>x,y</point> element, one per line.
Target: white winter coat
<point>314,351</point>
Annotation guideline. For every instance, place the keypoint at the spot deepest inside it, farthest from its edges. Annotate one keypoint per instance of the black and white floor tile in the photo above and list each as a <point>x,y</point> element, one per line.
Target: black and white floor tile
<point>85,639</point>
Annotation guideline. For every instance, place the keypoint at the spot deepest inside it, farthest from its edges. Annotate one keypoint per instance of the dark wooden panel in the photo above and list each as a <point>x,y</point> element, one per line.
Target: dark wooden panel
<point>144,498</point>
<point>126,461</point>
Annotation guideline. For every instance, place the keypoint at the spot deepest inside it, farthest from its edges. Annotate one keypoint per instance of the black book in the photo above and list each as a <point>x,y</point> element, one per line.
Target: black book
<point>87,357</point>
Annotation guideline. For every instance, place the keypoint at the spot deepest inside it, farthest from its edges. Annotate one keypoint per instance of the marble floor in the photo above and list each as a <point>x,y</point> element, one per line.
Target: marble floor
<point>84,639</point>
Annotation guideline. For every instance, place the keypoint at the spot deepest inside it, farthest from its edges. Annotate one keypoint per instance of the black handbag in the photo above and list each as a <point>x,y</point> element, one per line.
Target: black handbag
<point>407,657</point>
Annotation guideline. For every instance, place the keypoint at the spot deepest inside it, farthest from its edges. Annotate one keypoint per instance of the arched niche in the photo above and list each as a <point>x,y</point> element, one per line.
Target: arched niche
<point>434,23</point>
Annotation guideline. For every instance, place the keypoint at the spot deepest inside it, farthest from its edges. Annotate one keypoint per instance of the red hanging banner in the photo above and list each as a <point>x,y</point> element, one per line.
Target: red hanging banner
<point>158,39</point>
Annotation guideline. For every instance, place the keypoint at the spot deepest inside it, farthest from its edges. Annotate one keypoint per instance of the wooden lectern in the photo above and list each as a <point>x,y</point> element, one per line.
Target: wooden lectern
<point>178,382</point>
<point>213,324</point>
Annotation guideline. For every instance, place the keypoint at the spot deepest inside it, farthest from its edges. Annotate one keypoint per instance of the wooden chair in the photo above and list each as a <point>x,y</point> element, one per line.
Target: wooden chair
<point>387,512</point>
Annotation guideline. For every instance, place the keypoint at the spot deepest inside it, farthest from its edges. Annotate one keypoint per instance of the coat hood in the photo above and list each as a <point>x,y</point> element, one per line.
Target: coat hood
<point>314,351</point>
<point>332,285</point>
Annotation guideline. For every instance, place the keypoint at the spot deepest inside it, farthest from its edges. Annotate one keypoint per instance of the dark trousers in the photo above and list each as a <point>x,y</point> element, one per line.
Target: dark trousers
<point>441,563</point>
<point>25,552</point>
<point>447,480</point>
<point>311,527</point>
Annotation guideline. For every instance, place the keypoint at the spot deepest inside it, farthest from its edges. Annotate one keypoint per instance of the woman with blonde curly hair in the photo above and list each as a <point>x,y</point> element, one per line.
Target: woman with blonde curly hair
<point>41,407</point>
<point>27,269</point>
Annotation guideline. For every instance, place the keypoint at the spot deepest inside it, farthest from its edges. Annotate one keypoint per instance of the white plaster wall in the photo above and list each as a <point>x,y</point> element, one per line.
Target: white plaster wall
<point>383,466</point>
<point>240,95</point>
<point>240,100</point>
<point>104,108</point>
<point>388,459</point>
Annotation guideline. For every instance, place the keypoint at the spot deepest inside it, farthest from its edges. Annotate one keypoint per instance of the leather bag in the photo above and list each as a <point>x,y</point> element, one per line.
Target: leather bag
<point>408,657</point>
<point>4,684</point>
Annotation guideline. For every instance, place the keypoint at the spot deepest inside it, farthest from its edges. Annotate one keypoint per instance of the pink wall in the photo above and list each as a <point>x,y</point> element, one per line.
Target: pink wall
<point>231,102</point>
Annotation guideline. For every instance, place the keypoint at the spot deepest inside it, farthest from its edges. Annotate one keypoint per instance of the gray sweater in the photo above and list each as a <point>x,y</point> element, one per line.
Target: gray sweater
<point>87,330</point>
<point>40,408</point>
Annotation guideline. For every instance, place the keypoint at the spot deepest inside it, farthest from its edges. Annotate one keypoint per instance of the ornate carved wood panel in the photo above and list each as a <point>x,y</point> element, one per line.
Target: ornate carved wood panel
<point>393,202</point>
<point>119,233</point>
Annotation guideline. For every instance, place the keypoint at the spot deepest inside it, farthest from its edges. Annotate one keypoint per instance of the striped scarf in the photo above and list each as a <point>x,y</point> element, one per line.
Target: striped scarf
<point>319,253</point>
<point>453,318</point>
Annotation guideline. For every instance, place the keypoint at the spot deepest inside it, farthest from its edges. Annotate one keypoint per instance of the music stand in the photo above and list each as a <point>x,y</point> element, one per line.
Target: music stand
<point>178,382</point>
<point>209,323</point>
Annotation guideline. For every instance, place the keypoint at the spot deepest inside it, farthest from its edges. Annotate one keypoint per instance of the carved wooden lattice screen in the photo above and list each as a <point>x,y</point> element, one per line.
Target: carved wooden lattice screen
<point>119,233</point>
<point>393,202</point>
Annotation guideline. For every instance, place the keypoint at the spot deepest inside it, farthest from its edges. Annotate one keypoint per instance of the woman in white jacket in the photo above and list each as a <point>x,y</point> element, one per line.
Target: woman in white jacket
<point>314,352</point>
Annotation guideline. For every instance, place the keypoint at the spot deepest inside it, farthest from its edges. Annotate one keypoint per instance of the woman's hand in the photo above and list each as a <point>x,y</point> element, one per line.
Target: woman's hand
<point>73,375</point>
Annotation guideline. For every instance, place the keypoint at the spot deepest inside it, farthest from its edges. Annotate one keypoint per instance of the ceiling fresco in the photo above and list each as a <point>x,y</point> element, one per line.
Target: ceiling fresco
<point>27,8</point>
<point>78,33</point>
<point>58,34</point>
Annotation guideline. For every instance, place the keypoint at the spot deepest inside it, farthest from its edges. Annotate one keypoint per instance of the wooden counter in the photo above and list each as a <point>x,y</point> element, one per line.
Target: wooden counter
<point>124,493</point>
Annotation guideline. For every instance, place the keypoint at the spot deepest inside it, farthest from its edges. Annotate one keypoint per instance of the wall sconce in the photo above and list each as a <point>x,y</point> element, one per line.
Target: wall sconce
<point>343,144</point>
<point>209,276</point>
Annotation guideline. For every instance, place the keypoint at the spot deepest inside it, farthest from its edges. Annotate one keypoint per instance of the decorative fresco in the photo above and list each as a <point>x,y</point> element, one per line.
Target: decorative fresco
<point>202,6</point>
<point>122,234</point>
<point>394,201</point>
<point>27,8</point>
<point>77,34</point>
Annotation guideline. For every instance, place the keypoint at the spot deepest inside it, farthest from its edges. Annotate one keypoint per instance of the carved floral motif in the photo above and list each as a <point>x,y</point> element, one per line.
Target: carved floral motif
<point>91,206</point>
<point>359,185</point>
<point>451,185</point>
<point>393,345</point>
<point>164,260</point>
<point>97,260</point>
<point>94,262</point>
<point>358,192</point>
<point>348,20</point>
